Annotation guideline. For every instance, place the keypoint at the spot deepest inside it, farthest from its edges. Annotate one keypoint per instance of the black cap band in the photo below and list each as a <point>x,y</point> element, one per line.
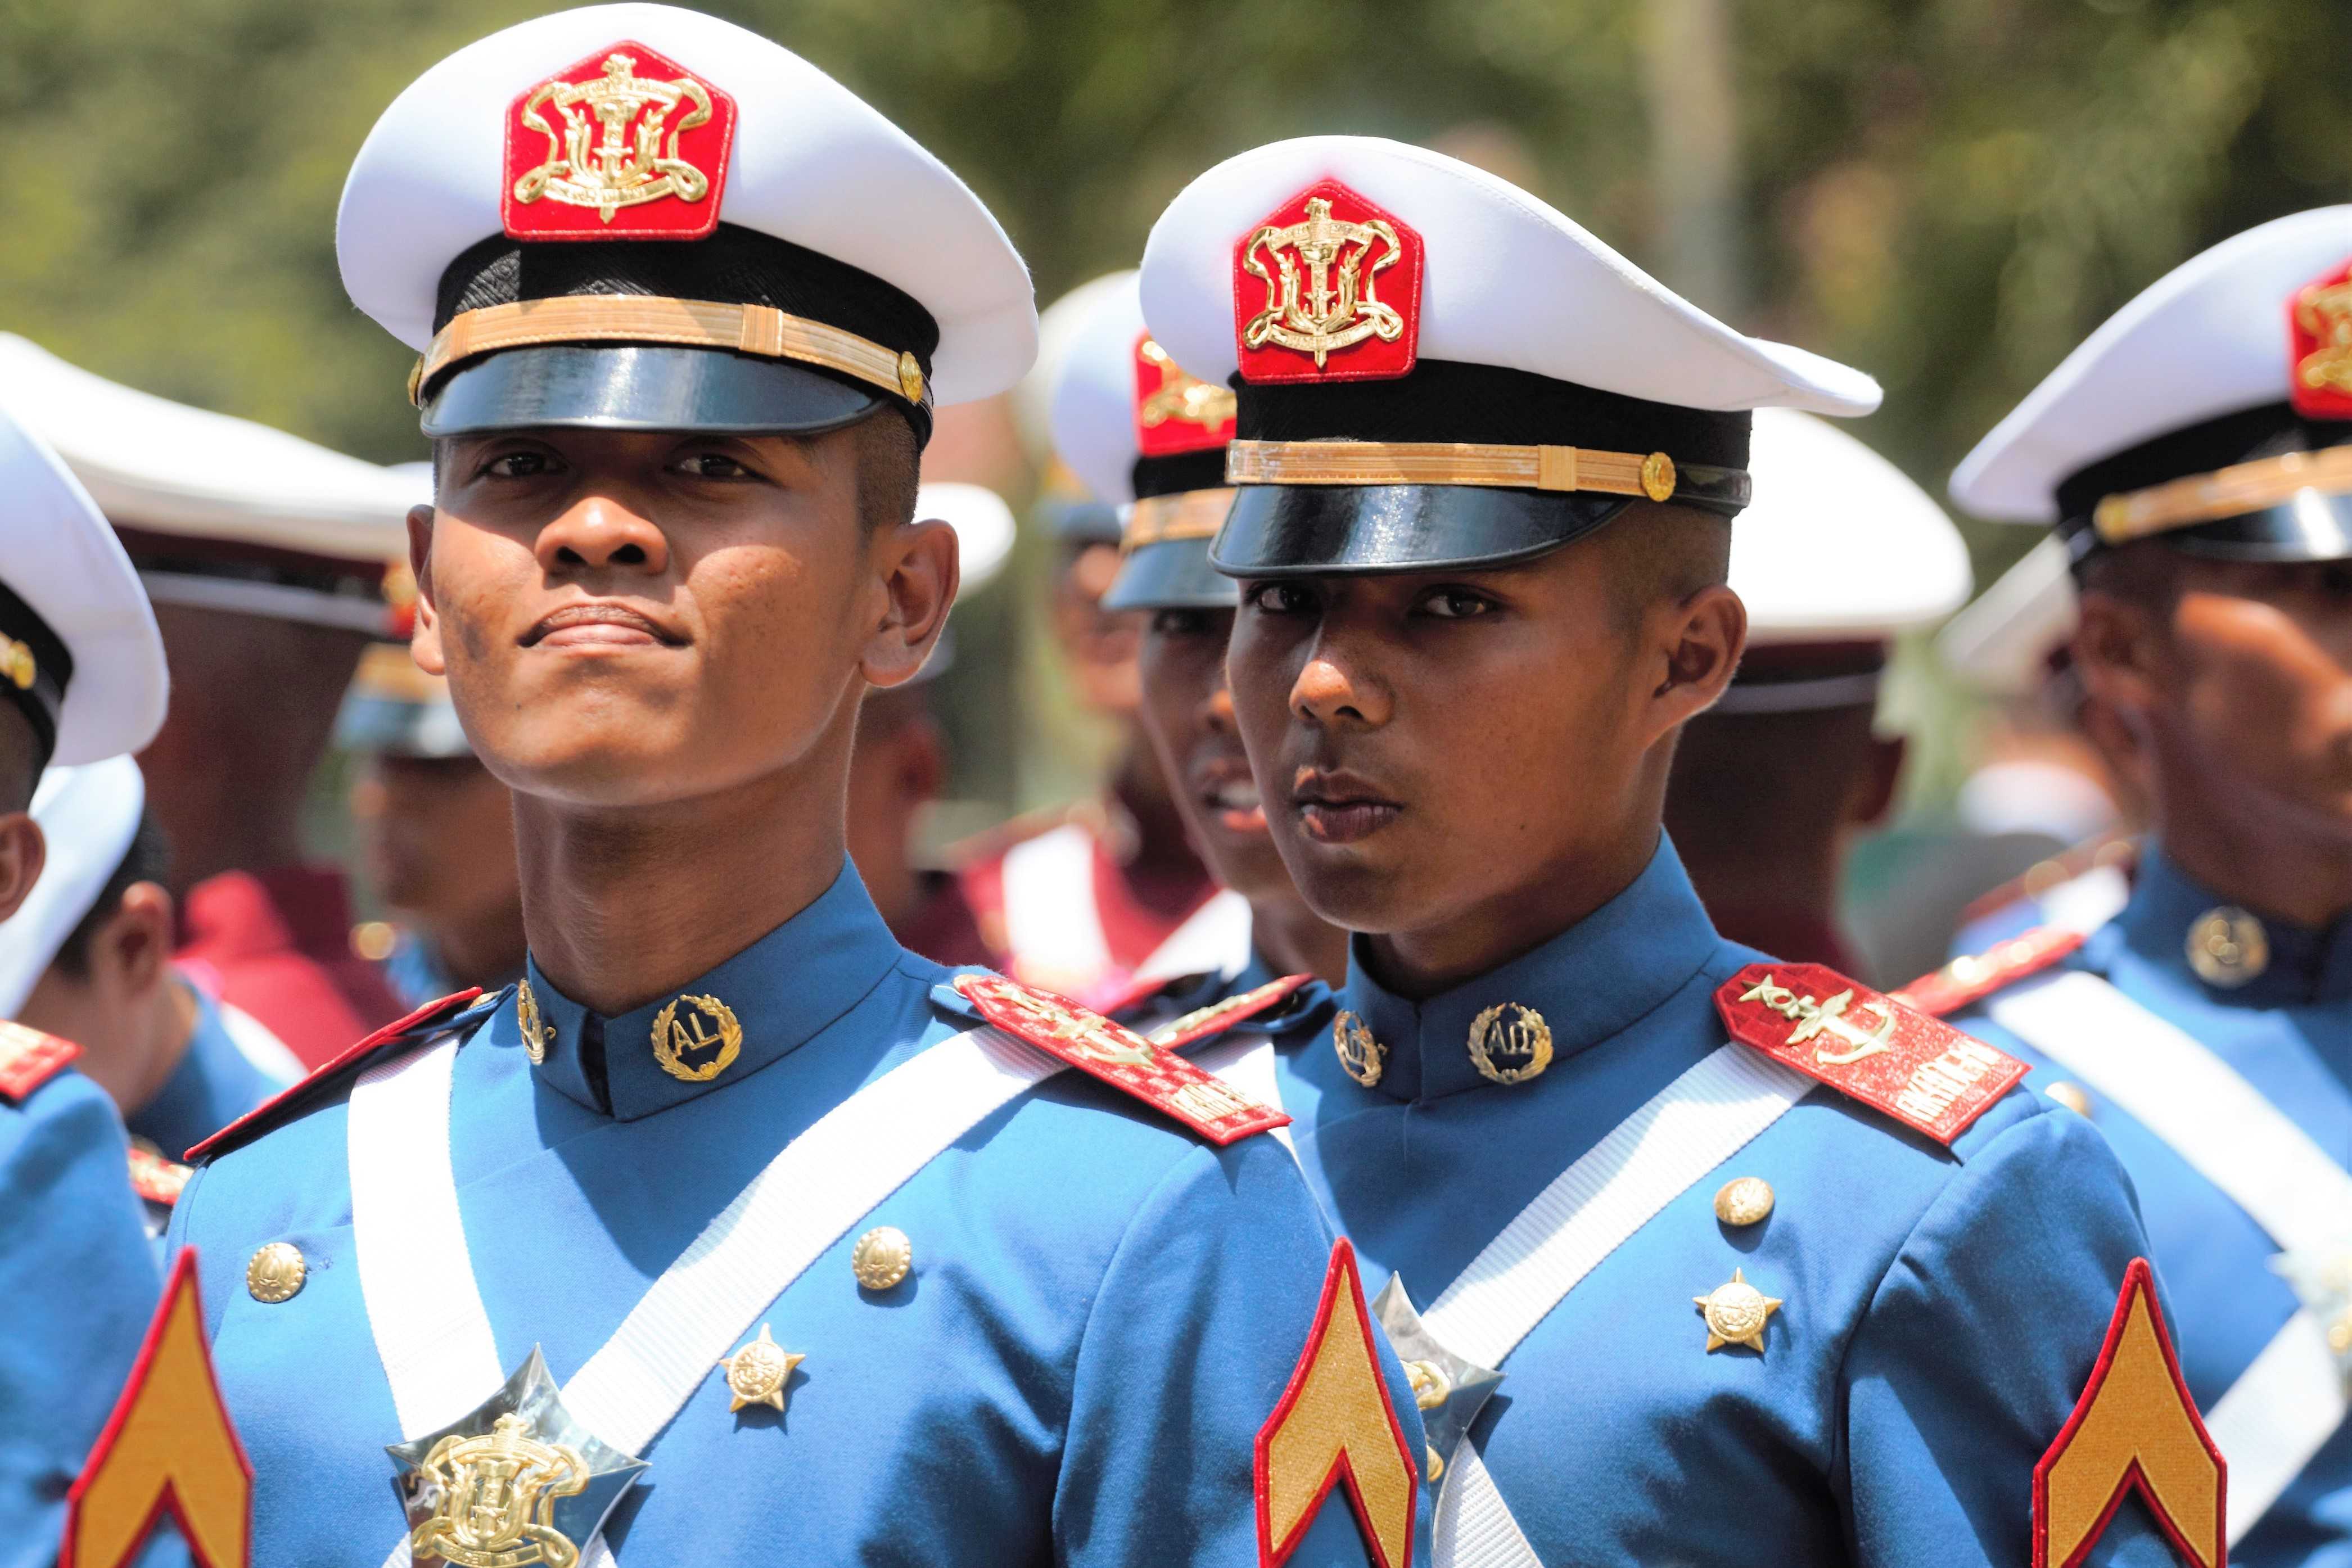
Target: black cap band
<point>2307,524</point>
<point>34,670</point>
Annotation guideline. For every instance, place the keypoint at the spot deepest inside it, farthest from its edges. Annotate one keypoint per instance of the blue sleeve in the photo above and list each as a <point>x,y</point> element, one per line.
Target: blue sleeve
<point>1976,1345</point>
<point>81,1280</point>
<point>1190,1343</point>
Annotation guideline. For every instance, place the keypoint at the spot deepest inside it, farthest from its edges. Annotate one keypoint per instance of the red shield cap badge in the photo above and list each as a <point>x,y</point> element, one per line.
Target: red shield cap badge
<point>1328,288</point>
<point>1176,413</point>
<point>2319,322</point>
<point>624,144</point>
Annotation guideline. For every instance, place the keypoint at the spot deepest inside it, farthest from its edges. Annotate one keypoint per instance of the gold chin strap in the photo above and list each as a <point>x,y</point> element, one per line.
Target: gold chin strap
<point>1187,515</point>
<point>696,323</point>
<point>2224,493</point>
<point>1450,463</point>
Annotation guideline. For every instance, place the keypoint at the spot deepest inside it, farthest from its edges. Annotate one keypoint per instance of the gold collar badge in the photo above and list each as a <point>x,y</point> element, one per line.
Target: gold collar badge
<point>1510,1043</point>
<point>2228,947</point>
<point>711,1027</point>
<point>1736,1313</point>
<point>538,1034</point>
<point>1362,1057</point>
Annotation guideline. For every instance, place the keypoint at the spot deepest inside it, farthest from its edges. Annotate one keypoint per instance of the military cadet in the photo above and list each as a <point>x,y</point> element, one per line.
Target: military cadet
<point>81,678</point>
<point>1773,1269</point>
<point>1770,786</point>
<point>2195,455</point>
<point>1138,430</point>
<point>88,959</point>
<point>731,1192</point>
<point>1081,899</point>
<point>899,765</point>
<point>264,554</point>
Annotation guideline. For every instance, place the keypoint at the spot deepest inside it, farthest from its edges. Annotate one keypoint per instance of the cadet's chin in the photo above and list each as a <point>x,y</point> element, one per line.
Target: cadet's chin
<point>612,764</point>
<point>1359,886</point>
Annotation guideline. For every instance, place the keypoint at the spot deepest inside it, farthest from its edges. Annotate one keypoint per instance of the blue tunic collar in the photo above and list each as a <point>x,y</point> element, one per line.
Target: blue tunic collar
<point>783,990</point>
<point>1590,983</point>
<point>2305,965</point>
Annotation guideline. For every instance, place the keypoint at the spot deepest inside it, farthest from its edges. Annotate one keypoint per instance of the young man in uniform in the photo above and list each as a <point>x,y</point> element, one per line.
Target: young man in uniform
<point>732,1190</point>
<point>2195,454</point>
<point>1773,1270</point>
<point>1141,432</point>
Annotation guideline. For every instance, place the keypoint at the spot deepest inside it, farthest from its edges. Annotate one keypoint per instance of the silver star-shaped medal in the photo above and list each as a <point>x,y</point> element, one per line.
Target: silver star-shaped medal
<point>517,1480</point>
<point>1450,1390</point>
<point>2323,1281</point>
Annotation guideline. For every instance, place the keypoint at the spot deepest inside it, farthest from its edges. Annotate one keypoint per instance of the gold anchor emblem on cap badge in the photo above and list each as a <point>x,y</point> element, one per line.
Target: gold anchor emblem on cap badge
<point>1336,305</point>
<point>1510,1043</point>
<point>613,152</point>
<point>673,1040</point>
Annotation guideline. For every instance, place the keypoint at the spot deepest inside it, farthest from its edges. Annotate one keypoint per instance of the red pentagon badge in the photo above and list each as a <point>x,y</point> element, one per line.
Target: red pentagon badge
<point>1176,413</point>
<point>1920,1070</point>
<point>623,144</point>
<point>1328,288</point>
<point>2319,324</point>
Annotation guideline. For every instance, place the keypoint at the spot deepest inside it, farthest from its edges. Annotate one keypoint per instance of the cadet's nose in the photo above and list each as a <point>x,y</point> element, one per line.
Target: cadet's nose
<point>599,533</point>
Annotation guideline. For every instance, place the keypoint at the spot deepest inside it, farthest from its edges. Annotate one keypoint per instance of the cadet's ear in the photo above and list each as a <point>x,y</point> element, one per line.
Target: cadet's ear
<point>1875,791</point>
<point>1699,642</point>
<point>920,571</point>
<point>23,852</point>
<point>2120,650</point>
<point>425,639</point>
<point>137,942</point>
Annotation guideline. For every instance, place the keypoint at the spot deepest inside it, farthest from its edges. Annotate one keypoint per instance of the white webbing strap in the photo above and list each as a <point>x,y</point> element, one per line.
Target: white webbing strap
<point>803,1201</point>
<point>1686,1130</point>
<point>2256,1155</point>
<point>1052,926</point>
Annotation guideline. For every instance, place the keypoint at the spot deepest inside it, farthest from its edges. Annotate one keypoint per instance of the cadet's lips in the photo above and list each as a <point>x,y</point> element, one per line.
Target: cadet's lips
<point>1339,808</point>
<point>597,625</point>
<point>1228,790</point>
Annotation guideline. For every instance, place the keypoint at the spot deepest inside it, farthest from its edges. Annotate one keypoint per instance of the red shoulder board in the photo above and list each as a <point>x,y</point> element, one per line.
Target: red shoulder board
<point>29,1059</point>
<point>1328,288</point>
<point>169,1446</point>
<point>656,138</point>
<point>1118,1057</point>
<point>1918,1069</point>
<point>1218,1016</point>
<point>2320,325</point>
<point>1973,978</point>
<point>2135,1426</point>
<point>267,1114</point>
<point>155,1178</point>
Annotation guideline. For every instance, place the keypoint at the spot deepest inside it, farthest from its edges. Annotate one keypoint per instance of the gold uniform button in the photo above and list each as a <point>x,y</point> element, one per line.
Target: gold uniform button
<point>881,1258</point>
<point>2228,947</point>
<point>275,1272</point>
<point>1743,1201</point>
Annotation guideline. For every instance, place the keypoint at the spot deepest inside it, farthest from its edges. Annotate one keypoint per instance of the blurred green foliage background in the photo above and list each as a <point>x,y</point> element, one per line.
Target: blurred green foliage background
<point>1947,192</point>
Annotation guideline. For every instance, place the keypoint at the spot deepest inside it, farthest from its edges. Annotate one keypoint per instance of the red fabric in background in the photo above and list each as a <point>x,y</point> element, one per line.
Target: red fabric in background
<point>276,943</point>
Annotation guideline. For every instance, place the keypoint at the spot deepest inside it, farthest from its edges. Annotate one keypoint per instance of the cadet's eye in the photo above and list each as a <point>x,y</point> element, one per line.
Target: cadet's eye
<point>1454,603</point>
<point>1281,598</point>
<point>1180,622</point>
<point>711,466</point>
<point>518,466</point>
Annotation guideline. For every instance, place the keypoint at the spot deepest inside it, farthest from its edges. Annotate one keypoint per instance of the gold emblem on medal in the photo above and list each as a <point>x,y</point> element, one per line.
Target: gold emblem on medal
<point>1736,1313</point>
<point>498,1499</point>
<point>276,1273</point>
<point>538,1034</point>
<point>1362,1057</point>
<point>615,147</point>
<point>1510,1043</point>
<point>2228,947</point>
<point>707,1025</point>
<point>757,1373</point>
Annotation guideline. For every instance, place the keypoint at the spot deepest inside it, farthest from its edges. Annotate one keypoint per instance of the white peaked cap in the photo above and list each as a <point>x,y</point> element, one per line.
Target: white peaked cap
<point>812,164</point>
<point>2208,338</point>
<point>2002,642</point>
<point>982,525</point>
<point>1058,332</point>
<point>88,815</point>
<point>1093,392</point>
<point>1508,281</point>
<point>163,467</point>
<point>58,555</point>
<point>1839,545</point>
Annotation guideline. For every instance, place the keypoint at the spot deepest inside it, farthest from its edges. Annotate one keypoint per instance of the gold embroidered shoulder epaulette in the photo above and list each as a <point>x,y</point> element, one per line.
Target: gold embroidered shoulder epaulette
<point>309,1091</point>
<point>1973,976</point>
<point>1912,1067</point>
<point>1116,1055</point>
<point>155,1178</point>
<point>29,1059</point>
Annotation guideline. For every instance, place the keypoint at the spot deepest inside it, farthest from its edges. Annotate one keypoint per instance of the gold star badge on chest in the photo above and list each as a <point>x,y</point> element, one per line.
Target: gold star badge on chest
<point>756,1374</point>
<point>1736,1313</point>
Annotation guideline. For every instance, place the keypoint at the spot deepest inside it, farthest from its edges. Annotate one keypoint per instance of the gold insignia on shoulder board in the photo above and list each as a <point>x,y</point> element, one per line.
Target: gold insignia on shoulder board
<point>2228,947</point>
<point>1736,1313</point>
<point>1361,1056</point>
<point>1510,1043</point>
<point>713,1028</point>
<point>756,1373</point>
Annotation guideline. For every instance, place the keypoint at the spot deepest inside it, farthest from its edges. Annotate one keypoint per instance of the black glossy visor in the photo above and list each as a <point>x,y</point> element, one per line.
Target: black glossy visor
<point>1303,530</point>
<point>1171,574</point>
<point>642,387</point>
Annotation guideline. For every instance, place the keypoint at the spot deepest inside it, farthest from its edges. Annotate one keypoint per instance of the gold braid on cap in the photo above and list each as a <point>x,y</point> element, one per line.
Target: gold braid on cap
<point>696,323</point>
<point>1450,463</point>
<point>2225,493</point>
<point>1187,515</point>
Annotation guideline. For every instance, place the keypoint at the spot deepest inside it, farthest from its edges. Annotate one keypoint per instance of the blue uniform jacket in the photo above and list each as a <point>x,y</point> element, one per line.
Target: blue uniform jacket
<point>1942,1307</point>
<point>1104,1309</point>
<point>2288,1032</point>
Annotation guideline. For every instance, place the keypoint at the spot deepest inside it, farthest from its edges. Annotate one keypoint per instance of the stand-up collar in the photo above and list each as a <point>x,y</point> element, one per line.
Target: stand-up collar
<point>1586,984</point>
<point>2243,957</point>
<point>783,990</point>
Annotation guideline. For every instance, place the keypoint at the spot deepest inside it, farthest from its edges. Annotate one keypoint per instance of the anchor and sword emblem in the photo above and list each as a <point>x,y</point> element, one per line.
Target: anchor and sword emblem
<point>617,147</point>
<point>1326,298</point>
<point>1817,1017</point>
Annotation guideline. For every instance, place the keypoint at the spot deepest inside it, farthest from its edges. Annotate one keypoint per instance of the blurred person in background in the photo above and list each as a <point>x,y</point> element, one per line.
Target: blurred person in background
<point>264,554</point>
<point>1141,433</point>
<point>2194,455</point>
<point>1839,554</point>
<point>1078,898</point>
<point>900,763</point>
